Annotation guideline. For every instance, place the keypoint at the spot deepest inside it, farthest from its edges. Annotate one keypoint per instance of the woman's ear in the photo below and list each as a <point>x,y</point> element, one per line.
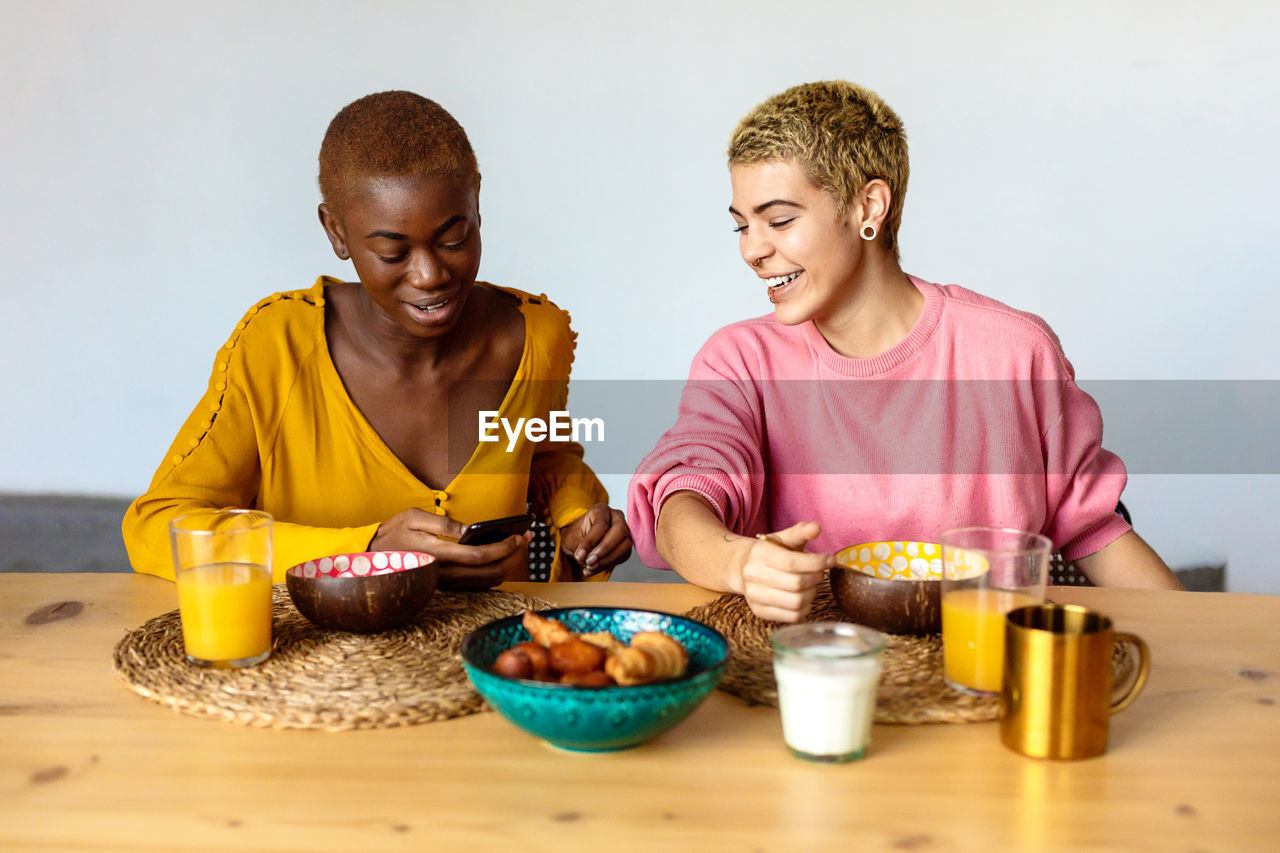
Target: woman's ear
<point>334,230</point>
<point>871,209</point>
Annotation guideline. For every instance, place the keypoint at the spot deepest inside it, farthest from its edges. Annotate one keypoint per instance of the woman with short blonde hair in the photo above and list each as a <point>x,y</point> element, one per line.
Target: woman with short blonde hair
<point>871,405</point>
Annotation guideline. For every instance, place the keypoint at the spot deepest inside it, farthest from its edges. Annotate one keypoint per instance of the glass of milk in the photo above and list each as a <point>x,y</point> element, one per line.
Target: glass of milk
<point>827,674</point>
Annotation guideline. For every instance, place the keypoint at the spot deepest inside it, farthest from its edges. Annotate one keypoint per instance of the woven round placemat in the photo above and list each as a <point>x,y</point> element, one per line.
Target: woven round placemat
<point>328,680</point>
<point>912,689</point>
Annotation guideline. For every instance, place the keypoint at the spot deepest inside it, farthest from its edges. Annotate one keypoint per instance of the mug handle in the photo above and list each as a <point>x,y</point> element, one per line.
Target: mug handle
<point>1144,666</point>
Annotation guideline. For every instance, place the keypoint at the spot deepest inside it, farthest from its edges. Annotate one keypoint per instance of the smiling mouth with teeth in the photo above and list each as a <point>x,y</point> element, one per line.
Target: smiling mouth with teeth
<point>775,283</point>
<point>436,306</point>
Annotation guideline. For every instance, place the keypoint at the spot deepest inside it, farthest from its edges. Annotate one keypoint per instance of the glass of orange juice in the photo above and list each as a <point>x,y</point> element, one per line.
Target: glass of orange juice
<point>986,572</point>
<point>222,563</point>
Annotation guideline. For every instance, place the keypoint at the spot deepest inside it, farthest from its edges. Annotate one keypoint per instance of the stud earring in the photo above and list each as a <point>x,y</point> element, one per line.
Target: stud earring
<point>868,232</point>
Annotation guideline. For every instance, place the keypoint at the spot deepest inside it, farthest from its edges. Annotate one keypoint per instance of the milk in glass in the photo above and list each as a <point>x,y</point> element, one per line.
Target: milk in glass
<point>827,675</point>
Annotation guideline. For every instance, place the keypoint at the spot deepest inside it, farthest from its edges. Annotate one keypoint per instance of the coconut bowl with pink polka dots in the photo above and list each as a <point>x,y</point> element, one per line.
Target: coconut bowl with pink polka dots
<point>890,586</point>
<point>363,593</point>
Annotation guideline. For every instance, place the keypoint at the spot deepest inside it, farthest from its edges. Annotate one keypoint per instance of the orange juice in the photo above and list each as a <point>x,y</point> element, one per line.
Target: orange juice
<point>226,611</point>
<point>973,635</point>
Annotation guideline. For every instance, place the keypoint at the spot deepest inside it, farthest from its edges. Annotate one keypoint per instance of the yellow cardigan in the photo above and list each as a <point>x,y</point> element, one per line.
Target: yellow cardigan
<point>276,430</point>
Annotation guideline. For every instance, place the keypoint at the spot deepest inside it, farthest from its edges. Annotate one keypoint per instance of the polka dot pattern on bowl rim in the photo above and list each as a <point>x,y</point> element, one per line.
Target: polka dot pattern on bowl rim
<point>361,565</point>
<point>904,560</point>
<point>968,564</point>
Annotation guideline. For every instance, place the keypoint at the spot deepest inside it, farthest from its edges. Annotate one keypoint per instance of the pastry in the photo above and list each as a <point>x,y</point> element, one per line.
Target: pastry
<point>670,657</point>
<point>574,657</point>
<point>597,659</point>
<point>513,663</point>
<point>603,639</point>
<point>539,658</point>
<point>595,678</point>
<point>545,632</point>
<point>652,656</point>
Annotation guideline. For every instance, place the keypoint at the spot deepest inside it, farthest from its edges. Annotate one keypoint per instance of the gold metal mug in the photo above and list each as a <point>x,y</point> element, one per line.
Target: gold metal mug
<point>1057,692</point>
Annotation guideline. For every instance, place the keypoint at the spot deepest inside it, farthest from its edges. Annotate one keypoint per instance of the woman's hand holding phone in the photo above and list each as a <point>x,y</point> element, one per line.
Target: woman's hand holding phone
<point>461,566</point>
<point>495,530</point>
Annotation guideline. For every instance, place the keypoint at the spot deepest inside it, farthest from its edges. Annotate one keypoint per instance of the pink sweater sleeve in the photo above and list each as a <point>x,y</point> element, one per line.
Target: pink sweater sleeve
<point>1083,481</point>
<point>713,449</point>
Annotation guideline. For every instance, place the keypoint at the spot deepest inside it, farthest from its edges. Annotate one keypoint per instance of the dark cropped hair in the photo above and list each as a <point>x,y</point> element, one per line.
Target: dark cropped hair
<point>392,134</point>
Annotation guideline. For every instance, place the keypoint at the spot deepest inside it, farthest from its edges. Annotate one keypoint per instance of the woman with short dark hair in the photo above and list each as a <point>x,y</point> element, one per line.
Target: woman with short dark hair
<point>350,410</point>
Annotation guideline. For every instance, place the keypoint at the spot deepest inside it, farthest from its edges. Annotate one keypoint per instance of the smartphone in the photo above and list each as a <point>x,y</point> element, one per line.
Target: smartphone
<point>495,529</point>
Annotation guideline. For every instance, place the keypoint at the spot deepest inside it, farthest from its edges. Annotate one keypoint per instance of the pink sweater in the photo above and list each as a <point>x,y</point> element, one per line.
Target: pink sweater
<point>973,419</point>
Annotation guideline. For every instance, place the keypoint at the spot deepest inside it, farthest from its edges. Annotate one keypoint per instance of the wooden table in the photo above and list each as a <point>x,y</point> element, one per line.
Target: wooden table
<point>86,764</point>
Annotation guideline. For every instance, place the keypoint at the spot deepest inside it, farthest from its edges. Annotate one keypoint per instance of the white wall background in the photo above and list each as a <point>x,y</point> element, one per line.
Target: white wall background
<point>1108,165</point>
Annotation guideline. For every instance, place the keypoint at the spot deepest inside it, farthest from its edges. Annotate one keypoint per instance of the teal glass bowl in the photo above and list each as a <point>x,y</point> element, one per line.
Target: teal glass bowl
<point>597,719</point>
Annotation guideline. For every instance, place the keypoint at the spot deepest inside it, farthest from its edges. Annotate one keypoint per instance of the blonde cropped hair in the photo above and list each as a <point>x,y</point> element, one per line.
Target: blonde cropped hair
<point>840,134</point>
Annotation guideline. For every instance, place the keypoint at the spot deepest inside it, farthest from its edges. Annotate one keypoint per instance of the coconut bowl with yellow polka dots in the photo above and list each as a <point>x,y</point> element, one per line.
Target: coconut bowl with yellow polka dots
<point>890,586</point>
